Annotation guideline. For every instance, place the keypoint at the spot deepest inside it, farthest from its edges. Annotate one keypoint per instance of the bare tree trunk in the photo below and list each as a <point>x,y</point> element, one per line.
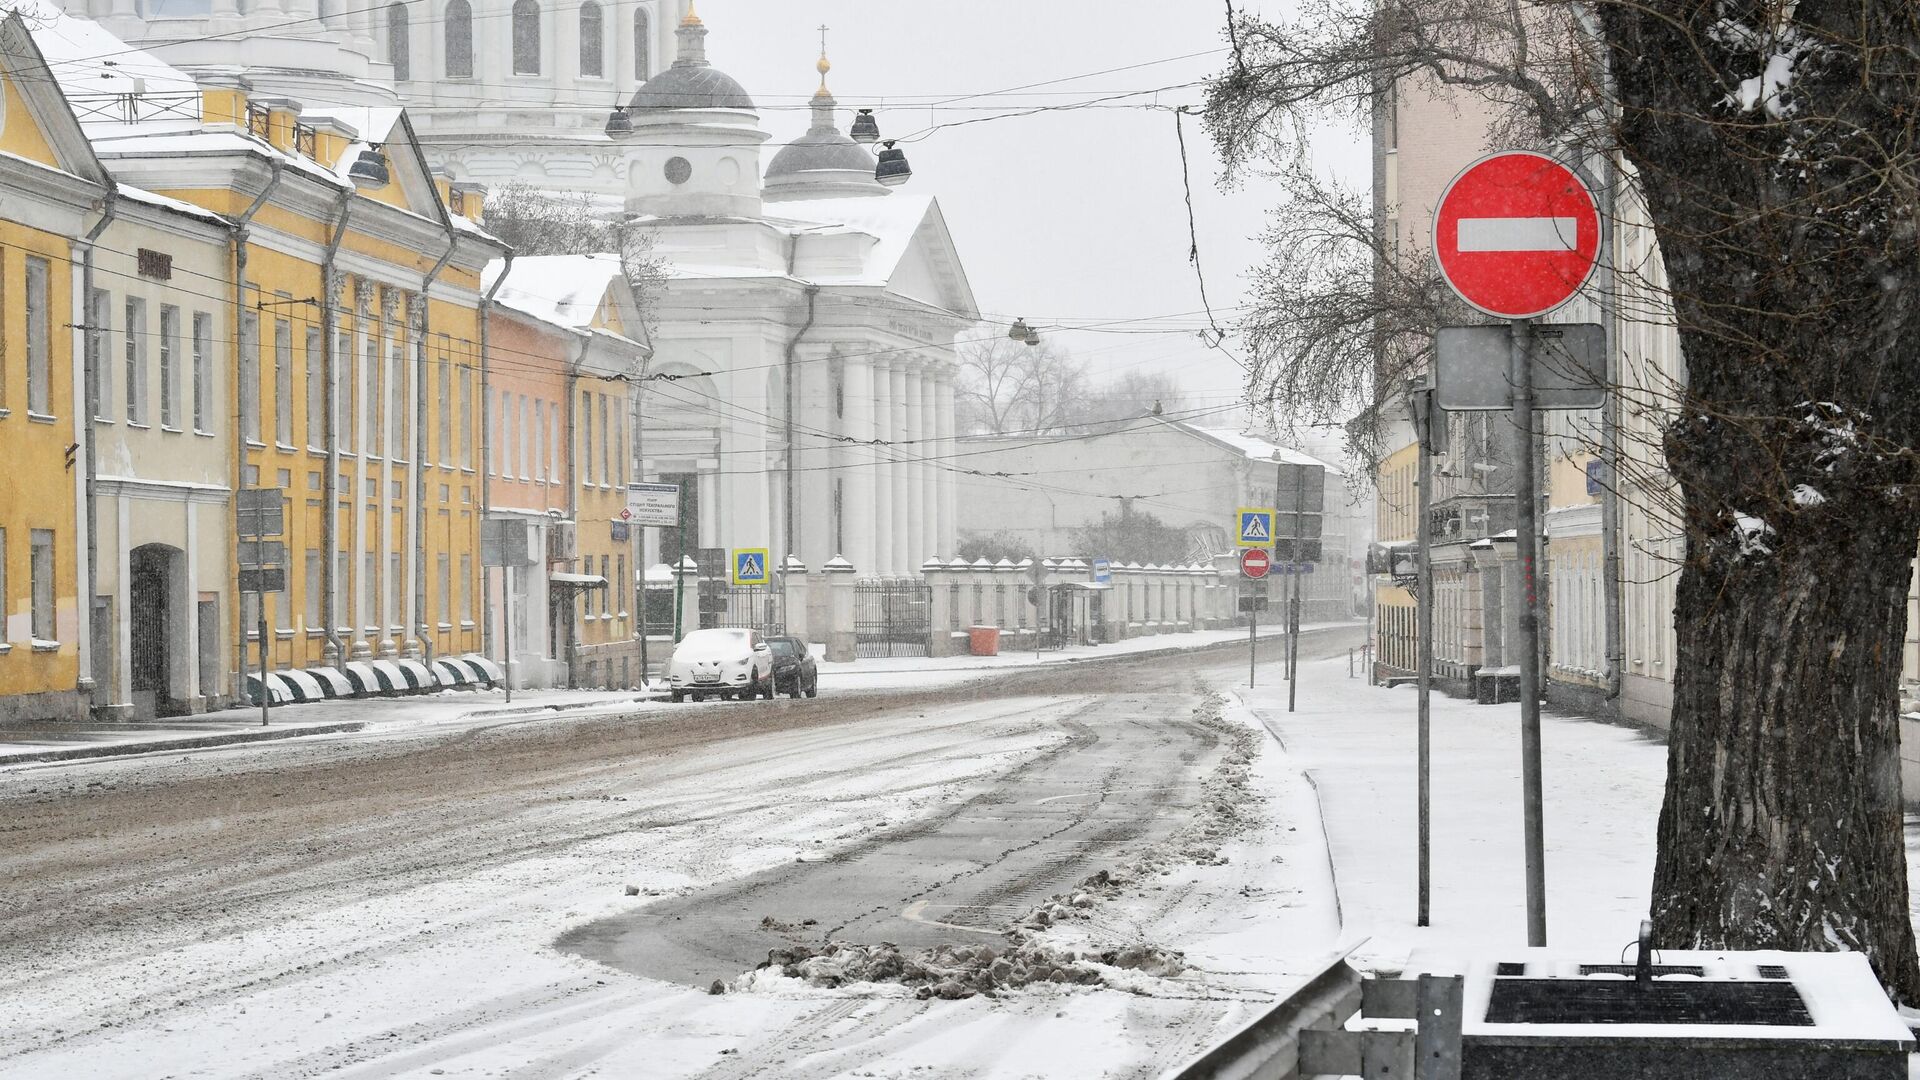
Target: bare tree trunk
<point>1782,825</point>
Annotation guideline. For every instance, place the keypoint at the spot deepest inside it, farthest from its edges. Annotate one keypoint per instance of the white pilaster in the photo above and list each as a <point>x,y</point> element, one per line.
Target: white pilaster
<point>123,603</point>
<point>192,597</point>
<point>934,468</point>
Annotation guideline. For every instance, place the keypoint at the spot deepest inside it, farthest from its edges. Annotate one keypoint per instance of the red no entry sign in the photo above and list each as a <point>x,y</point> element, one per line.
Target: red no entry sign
<point>1255,562</point>
<point>1516,234</point>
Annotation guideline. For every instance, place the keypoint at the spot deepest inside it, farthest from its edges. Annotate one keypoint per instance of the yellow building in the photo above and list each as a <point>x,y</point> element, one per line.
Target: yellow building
<point>350,297</point>
<point>54,191</point>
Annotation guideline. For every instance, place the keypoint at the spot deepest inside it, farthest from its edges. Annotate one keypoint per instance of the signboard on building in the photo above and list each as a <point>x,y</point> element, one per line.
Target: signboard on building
<point>653,504</point>
<point>1102,571</point>
<point>260,512</point>
<point>752,566</point>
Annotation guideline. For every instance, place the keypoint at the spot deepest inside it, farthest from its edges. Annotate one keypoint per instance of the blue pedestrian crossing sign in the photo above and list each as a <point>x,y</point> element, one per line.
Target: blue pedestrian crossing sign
<point>1256,526</point>
<point>751,566</point>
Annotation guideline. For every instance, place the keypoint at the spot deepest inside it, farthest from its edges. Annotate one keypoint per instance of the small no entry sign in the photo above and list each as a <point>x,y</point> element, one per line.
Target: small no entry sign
<point>1516,234</point>
<point>1255,562</point>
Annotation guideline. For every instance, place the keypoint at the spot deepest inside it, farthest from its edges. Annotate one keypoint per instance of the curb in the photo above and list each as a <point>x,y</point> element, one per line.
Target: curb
<point>564,706</point>
<point>196,742</point>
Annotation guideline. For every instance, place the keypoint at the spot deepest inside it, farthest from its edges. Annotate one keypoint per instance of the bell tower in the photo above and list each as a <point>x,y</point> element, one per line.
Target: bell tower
<point>693,138</point>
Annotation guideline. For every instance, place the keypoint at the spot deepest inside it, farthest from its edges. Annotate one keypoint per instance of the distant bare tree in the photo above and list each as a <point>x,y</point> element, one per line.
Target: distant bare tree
<point>1135,393</point>
<point>536,221</point>
<point>1006,386</point>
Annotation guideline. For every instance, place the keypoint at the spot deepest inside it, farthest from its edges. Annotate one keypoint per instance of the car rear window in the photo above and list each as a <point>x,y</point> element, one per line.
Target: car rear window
<point>785,647</point>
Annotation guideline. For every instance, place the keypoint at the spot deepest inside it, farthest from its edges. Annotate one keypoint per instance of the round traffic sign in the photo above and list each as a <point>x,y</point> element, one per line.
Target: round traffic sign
<point>1516,234</point>
<point>1255,562</point>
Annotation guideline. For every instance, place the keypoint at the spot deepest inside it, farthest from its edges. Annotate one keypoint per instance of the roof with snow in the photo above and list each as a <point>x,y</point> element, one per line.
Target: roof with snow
<point>564,290</point>
<point>1254,447</point>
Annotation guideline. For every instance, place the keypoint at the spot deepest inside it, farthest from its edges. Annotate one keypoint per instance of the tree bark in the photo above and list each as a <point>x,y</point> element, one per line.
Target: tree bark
<point>1787,232</point>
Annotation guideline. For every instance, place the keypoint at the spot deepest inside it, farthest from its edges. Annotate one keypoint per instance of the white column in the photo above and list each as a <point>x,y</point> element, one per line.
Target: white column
<point>861,528</point>
<point>933,471</point>
<point>884,536</point>
<point>123,603</point>
<point>948,493</point>
<point>918,505</point>
<point>903,470</point>
<point>191,572</point>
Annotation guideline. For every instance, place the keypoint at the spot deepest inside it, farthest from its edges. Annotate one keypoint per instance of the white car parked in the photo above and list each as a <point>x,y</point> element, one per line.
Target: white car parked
<point>722,663</point>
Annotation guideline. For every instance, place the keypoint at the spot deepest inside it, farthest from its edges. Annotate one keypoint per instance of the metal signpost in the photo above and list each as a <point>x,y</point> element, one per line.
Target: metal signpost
<point>1425,420</point>
<point>263,563</point>
<point>503,543</point>
<point>1253,525</point>
<point>656,505</point>
<point>1299,495</point>
<point>1516,235</point>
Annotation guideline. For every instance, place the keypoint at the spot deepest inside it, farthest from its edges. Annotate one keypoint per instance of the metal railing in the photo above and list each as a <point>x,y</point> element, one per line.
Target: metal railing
<point>136,108</point>
<point>1306,1033</point>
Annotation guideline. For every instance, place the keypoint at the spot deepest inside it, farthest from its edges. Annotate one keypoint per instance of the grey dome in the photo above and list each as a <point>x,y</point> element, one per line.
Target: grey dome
<point>691,86</point>
<point>819,150</point>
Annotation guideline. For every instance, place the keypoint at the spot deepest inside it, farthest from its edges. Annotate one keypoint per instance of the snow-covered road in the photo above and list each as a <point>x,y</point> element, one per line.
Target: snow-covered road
<point>390,907</point>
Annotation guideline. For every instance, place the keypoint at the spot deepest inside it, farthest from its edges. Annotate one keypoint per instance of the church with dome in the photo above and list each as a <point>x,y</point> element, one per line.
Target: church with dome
<point>802,391</point>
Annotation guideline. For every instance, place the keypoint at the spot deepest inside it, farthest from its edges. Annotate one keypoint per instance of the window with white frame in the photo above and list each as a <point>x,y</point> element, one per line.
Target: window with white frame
<point>445,425</point>
<point>282,383</point>
<point>202,371</point>
<point>593,46</point>
<point>136,380</point>
<point>249,376</point>
<point>169,367</point>
<point>526,37</point>
<point>459,39</point>
<point>39,337</point>
<point>316,390</point>
<point>100,380</point>
<point>40,573</point>
<point>467,454</point>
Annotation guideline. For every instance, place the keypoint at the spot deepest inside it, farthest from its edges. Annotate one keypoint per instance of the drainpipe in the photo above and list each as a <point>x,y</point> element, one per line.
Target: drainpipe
<point>83,331</point>
<point>420,450</point>
<point>573,512</point>
<point>240,231</point>
<point>330,484</point>
<point>486,461</point>
<point>793,347</point>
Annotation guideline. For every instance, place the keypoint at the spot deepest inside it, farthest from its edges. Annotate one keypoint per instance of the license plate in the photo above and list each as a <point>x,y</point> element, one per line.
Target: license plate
<point>706,678</point>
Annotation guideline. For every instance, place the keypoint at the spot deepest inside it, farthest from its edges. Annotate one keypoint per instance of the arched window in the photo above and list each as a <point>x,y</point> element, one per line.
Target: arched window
<point>526,37</point>
<point>399,52</point>
<point>593,51</point>
<point>642,47</point>
<point>459,39</point>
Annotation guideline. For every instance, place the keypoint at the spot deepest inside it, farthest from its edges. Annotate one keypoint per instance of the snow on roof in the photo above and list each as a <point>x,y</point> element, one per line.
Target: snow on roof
<point>564,290</point>
<point>1259,449</point>
<point>152,199</point>
<point>90,63</point>
<point>892,221</point>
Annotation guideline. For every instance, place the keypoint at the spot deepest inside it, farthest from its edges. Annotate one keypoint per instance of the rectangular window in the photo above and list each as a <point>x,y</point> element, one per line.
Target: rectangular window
<point>282,382</point>
<point>169,361</point>
<point>249,376</point>
<point>5,604</point>
<point>370,373</point>
<point>40,571</point>
<point>466,418</point>
<point>370,590</point>
<point>316,391</point>
<point>100,378</point>
<point>620,447</point>
<point>397,388</point>
<point>466,589</point>
<point>606,465</point>
<point>136,381</point>
<point>606,594</point>
<point>553,442</point>
<point>446,406</point>
<point>283,611</point>
<point>343,384</point>
<point>526,439</point>
<point>586,437</point>
<point>445,606</point>
<point>315,568</point>
<point>492,435</point>
<point>618,586</point>
<point>540,441</point>
<point>202,371</point>
<point>39,338</point>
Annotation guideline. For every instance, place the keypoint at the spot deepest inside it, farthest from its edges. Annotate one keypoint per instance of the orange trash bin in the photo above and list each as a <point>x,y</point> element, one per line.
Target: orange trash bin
<point>984,640</point>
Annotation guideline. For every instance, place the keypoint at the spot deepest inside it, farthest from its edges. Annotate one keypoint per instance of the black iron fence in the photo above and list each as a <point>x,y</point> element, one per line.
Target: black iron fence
<point>892,617</point>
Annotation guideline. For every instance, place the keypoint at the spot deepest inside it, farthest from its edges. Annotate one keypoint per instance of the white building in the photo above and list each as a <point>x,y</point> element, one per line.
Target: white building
<point>500,89</point>
<point>803,369</point>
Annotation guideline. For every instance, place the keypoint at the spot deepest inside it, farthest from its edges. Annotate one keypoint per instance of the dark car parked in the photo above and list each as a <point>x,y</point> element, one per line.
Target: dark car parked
<point>793,668</point>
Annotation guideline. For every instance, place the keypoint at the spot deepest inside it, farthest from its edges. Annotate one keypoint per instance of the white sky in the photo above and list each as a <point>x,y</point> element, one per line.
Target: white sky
<point>1069,216</point>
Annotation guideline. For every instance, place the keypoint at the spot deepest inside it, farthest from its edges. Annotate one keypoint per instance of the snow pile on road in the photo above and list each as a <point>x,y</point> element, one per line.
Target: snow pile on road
<point>1054,942</point>
<point>953,972</point>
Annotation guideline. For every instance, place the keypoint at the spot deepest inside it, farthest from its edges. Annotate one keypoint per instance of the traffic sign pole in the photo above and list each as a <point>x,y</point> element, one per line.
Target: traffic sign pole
<point>1528,553</point>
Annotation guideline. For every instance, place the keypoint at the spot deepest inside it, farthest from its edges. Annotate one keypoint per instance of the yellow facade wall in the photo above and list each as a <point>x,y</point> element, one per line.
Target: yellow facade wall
<point>37,493</point>
<point>23,138</point>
